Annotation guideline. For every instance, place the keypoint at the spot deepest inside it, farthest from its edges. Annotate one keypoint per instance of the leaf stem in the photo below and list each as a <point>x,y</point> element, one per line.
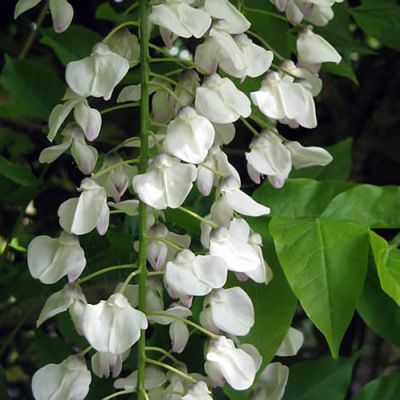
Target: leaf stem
<point>144,33</point>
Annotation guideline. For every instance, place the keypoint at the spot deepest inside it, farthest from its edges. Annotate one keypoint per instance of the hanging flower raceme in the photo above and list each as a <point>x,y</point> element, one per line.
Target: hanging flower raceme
<point>166,183</point>
<point>98,74</point>
<point>229,310</point>
<point>220,101</point>
<point>227,363</point>
<point>61,12</point>
<point>281,98</point>
<point>189,136</point>
<point>179,17</point>
<point>89,119</point>
<point>51,259</point>
<point>68,380</point>
<point>82,214</point>
<point>313,50</point>
<point>112,326</point>
<point>84,155</point>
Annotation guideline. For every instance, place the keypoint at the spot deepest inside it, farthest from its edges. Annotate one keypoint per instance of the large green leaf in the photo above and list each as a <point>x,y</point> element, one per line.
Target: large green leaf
<point>33,88</point>
<point>367,204</point>
<point>325,378</point>
<point>299,197</point>
<point>387,261</point>
<point>385,388</point>
<point>338,169</point>
<point>274,304</point>
<point>380,313</point>
<point>75,43</point>
<point>325,263</point>
<point>20,174</point>
<point>380,20</point>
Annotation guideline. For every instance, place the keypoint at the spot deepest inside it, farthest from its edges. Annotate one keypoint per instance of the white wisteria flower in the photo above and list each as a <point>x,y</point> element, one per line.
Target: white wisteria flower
<point>166,183</point>
<point>219,100</point>
<point>154,378</point>
<point>199,391</point>
<point>189,136</point>
<point>281,98</point>
<point>106,364</point>
<point>191,275</point>
<point>126,44</point>
<point>115,176</point>
<point>224,10</point>
<point>232,245</point>
<point>159,252</point>
<point>61,12</point>
<point>214,168</point>
<point>227,363</point>
<point>68,380</point>
<point>230,310</point>
<point>84,155</point>
<point>313,50</point>
<point>82,214</point>
<point>61,301</point>
<point>98,74</point>
<point>51,259</point>
<point>89,119</point>
<point>291,343</point>
<point>112,326</point>
<point>271,383</point>
<point>179,17</point>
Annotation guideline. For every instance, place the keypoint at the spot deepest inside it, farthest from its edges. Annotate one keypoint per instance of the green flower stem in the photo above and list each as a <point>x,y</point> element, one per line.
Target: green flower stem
<point>117,394</point>
<point>144,34</point>
<point>168,90</point>
<point>214,171</point>
<point>112,166</point>
<point>262,124</point>
<point>127,281</point>
<point>119,27</point>
<point>166,241</point>
<point>170,80</point>
<point>105,271</point>
<point>159,124</point>
<point>198,217</point>
<point>85,351</point>
<point>185,321</point>
<point>131,8</point>
<point>163,352</point>
<point>172,369</point>
<point>32,35</point>
<point>249,127</point>
<point>265,44</point>
<point>163,393</point>
<point>119,107</point>
<point>265,12</point>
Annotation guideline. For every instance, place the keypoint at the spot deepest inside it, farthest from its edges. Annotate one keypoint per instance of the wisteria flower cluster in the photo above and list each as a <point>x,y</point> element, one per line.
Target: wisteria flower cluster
<point>182,140</point>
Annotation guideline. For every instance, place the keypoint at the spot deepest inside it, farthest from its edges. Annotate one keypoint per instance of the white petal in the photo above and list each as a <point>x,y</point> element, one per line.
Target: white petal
<point>112,326</point>
<point>207,56</point>
<point>98,74</point>
<point>198,391</point>
<point>50,154</point>
<point>224,10</point>
<point>179,334</point>
<point>85,156</point>
<point>154,378</point>
<point>224,133</point>
<point>57,117</point>
<point>89,119</point>
<point>51,259</point>
<point>291,343</point>
<point>129,207</point>
<point>272,382</point>
<point>24,5</point>
<point>69,380</point>
<point>104,364</point>
<point>125,44</point>
<point>130,93</point>
<point>62,14</point>
<point>303,157</point>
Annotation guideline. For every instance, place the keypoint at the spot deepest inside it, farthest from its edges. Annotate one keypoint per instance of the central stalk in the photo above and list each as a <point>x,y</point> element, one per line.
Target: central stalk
<point>144,147</point>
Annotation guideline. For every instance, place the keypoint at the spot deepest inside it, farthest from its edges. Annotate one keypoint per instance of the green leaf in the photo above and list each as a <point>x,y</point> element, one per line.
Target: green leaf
<point>299,197</point>
<point>385,388</point>
<point>380,313</point>
<point>325,378</point>
<point>387,261</point>
<point>25,81</point>
<point>73,44</point>
<point>274,303</point>
<point>380,20</point>
<point>367,204</point>
<point>325,263</point>
<point>338,169</point>
<point>19,174</point>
